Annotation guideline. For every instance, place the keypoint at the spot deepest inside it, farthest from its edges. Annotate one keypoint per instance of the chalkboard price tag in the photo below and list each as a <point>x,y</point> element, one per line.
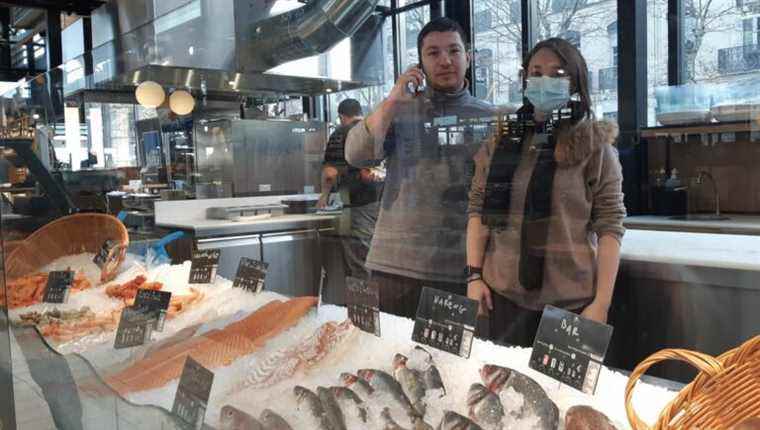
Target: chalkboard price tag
<point>58,287</point>
<point>570,348</point>
<point>204,265</point>
<point>155,303</point>
<point>251,275</point>
<point>363,303</point>
<point>135,328</point>
<point>101,258</point>
<point>191,400</point>
<point>445,321</point>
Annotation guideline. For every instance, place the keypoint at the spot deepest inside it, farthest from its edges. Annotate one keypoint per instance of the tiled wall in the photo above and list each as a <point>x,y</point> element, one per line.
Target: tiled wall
<point>734,165</point>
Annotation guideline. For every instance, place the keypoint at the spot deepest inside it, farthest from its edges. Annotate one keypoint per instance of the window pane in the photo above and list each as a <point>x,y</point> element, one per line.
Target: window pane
<point>498,36</point>
<point>657,50</point>
<point>718,39</point>
<point>591,25</point>
<point>410,24</point>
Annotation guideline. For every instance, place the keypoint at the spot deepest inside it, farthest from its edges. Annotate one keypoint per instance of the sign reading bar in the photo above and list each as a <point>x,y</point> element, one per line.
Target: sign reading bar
<point>58,286</point>
<point>446,321</point>
<point>251,275</point>
<point>155,303</point>
<point>135,328</point>
<point>570,348</point>
<point>204,265</point>
<point>363,303</point>
<point>191,400</point>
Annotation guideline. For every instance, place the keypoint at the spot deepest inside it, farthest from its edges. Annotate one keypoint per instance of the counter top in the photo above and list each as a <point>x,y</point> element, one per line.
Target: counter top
<point>211,227</point>
<point>737,224</point>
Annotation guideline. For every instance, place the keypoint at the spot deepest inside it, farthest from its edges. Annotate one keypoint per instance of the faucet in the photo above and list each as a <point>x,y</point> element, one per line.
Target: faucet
<point>701,179</point>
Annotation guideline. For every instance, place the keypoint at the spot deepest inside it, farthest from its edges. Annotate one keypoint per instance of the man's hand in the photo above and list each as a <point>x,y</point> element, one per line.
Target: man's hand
<point>323,200</point>
<point>596,311</point>
<point>400,92</point>
<point>478,290</point>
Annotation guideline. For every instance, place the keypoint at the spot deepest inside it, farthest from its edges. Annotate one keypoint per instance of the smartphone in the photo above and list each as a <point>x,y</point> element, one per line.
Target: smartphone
<point>417,89</point>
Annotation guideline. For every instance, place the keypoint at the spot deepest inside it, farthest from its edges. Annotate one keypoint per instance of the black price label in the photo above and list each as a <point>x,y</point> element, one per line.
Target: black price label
<point>58,287</point>
<point>156,303</point>
<point>446,321</point>
<point>363,303</point>
<point>101,258</point>
<point>251,275</point>
<point>570,348</point>
<point>135,328</point>
<point>193,392</point>
<point>204,265</point>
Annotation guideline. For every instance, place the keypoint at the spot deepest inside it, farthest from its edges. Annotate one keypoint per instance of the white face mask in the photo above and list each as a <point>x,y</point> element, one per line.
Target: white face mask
<point>546,93</point>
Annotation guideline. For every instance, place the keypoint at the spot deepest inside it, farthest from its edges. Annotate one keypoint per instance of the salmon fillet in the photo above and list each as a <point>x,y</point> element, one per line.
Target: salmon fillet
<point>217,348</point>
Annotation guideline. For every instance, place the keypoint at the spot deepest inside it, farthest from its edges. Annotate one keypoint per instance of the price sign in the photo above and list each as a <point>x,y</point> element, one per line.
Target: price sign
<point>446,321</point>
<point>102,256</point>
<point>155,303</point>
<point>363,303</point>
<point>570,348</point>
<point>204,265</point>
<point>135,328</point>
<point>58,287</point>
<point>191,400</point>
<point>250,275</point>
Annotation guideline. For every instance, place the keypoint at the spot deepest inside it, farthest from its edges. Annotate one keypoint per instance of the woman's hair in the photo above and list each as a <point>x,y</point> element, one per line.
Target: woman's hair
<point>573,64</point>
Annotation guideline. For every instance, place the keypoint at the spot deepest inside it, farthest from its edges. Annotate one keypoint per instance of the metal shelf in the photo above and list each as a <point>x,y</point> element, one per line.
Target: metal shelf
<point>715,127</point>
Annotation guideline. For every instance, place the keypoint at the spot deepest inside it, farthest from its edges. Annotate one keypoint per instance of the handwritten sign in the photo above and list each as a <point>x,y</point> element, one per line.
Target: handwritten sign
<point>58,287</point>
<point>101,258</point>
<point>363,303</point>
<point>445,321</point>
<point>156,303</point>
<point>191,400</point>
<point>570,348</point>
<point>250,275</point>
<point>204,266</point>
<point>135,328</point>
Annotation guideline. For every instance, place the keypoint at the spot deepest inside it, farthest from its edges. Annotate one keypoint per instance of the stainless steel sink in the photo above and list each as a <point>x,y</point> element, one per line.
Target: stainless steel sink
<point>700,217</point>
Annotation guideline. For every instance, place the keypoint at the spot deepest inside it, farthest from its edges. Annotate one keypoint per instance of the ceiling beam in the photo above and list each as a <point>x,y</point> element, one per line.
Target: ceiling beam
<point>79,7</point>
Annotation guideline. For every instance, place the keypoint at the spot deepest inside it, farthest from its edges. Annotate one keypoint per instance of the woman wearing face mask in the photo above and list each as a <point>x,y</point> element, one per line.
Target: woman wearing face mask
<point>546,208</point>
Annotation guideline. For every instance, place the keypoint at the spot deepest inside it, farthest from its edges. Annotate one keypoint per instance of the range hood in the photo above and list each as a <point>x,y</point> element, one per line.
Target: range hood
<point>226,46</point>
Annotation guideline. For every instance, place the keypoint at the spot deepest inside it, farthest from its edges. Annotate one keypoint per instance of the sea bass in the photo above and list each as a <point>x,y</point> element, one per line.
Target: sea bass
<point>234,419</point>
<point>349,400</point>
<point>309,404</point>
<point>421,360</point>
<point>357,384</point>
<point>453,421</point>
<point>587,418</point>
<point>485,407</point>
<point>535,400</point>
<point>384,383</point>
<point>271,421</point>
<point>411,382</point>
<point>332,409</point>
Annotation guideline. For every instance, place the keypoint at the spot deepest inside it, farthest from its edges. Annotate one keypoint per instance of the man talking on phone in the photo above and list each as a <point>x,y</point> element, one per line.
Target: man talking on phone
<point>419,238</point>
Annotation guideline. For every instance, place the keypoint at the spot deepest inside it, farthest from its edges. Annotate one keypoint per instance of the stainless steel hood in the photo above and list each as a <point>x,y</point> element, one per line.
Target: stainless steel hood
<point>223,46</point>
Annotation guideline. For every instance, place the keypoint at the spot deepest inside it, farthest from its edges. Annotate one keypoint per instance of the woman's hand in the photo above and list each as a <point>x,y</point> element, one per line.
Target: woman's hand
<point>478,290</point>
<point>596,311</point>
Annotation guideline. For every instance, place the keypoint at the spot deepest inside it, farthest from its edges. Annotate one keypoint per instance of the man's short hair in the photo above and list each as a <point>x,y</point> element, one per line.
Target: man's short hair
<point>350,108</point>
<point>441,25</point>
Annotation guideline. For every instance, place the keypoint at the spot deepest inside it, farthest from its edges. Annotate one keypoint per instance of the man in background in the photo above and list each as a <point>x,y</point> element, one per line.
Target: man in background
<point>361,187</point>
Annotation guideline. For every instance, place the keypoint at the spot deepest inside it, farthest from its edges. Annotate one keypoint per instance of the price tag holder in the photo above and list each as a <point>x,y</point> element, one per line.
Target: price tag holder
<point>250,275</point>
<point>58,286</point>
<point>155,303</point>
<point>191,400</point>
<point>363,303</point>
<point>570,348</point>
<point>101,258</point>
<point>135,328</point>
<point>446,321</point>
<point>204,266</point>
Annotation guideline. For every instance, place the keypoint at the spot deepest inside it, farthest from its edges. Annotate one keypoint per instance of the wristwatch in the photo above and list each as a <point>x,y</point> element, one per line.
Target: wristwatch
<point>472,270</point>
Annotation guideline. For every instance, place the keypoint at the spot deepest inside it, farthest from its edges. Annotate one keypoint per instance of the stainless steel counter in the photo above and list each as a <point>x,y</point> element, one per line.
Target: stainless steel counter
<point>737,224</point>
<point>204,228</point>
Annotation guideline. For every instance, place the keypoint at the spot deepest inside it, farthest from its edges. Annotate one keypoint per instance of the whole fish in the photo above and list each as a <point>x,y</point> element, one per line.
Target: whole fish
<point>587,418</point>
<point>536,401</point>
<point>234,419</point>
<point>271,421</point>
<point>388,421</point>
<point>384,383</point>
<point>453,421</point>
<point>350,399</point>
<point>485,407</point>
<point>332,409</point>
<point>433,380</point>
<point>357,384</point>
<point>309,403</point>
<point>411,382</point>
<point>422,361</point>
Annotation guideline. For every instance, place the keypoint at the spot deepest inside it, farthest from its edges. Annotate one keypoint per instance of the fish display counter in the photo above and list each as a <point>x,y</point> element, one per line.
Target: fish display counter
<point>278,362</point>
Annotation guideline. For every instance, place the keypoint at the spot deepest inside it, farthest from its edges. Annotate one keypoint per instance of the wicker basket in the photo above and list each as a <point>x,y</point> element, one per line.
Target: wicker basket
<point>70,235</point>
<point>724,393</point>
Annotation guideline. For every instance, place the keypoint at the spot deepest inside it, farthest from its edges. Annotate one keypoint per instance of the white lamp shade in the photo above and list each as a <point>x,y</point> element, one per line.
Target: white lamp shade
<point>150,94</point>
<point>181,102</point>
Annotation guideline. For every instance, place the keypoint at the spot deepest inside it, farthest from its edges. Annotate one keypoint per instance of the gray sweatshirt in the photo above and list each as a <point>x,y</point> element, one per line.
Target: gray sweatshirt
<point>420,232</point>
